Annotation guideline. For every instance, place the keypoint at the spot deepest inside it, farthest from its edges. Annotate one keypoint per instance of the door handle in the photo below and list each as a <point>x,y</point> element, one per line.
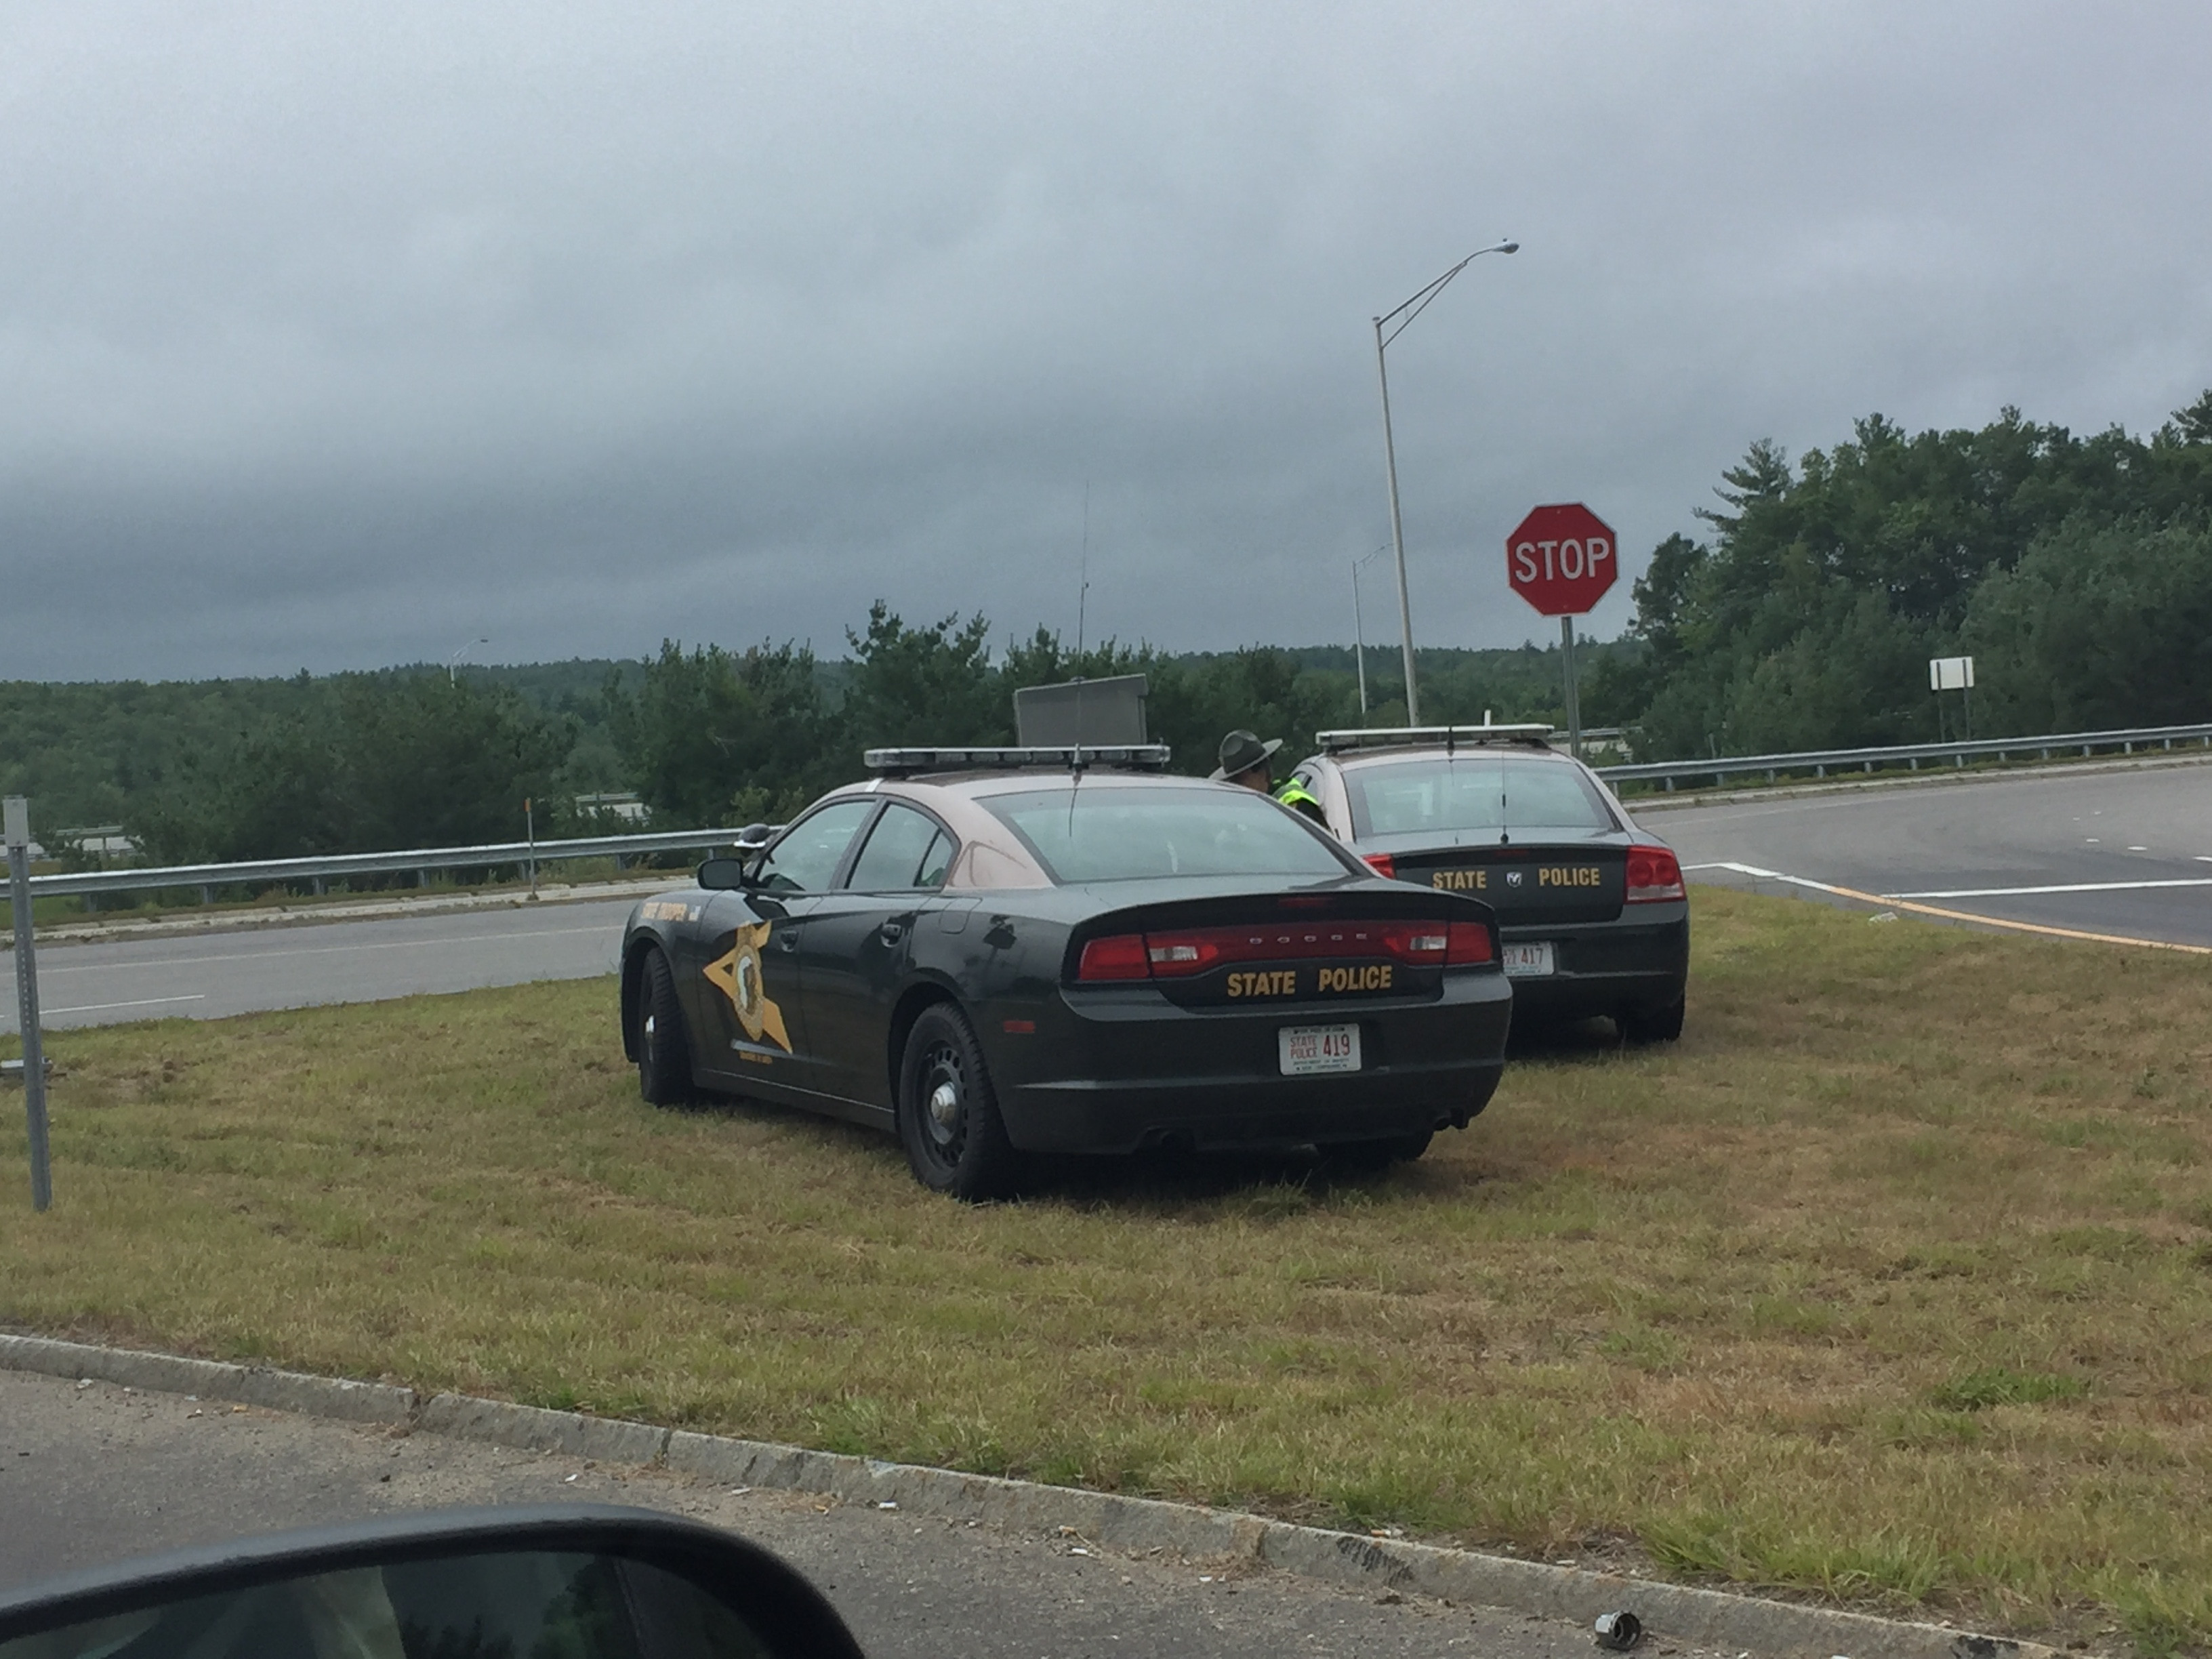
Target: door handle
<point>787,940</point>
<point>892,932</point>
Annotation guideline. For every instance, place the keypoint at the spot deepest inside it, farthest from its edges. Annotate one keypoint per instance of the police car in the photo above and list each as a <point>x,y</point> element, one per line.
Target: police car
<point>1593,917</point>
<point>995,953</point>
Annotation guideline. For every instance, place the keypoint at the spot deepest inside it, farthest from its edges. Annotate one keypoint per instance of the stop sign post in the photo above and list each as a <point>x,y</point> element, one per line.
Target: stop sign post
<point>1563,559</point>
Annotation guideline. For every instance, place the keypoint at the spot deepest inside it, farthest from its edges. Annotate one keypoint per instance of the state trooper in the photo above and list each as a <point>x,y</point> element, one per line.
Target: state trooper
<point>1245,760</point>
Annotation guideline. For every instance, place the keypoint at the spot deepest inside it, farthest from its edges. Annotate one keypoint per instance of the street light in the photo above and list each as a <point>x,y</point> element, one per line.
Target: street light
<point>454,662</point>
<point>1412,308</point>
<point>1359,632</point>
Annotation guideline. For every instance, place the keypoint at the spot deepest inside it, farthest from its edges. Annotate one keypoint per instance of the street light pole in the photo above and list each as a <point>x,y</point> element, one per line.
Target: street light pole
<point>1360,631</point>
<point>1413,308</point>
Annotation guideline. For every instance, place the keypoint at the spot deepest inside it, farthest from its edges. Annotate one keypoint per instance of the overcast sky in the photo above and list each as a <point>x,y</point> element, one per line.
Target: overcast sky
<point>338,337</point>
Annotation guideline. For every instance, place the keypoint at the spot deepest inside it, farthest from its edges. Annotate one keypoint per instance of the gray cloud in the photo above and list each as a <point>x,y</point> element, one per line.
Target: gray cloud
<point>334,341</point>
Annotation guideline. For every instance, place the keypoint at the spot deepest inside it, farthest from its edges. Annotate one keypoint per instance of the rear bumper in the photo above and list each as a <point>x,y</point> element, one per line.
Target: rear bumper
<point>1127,1070</point>
<point>1640,961</point>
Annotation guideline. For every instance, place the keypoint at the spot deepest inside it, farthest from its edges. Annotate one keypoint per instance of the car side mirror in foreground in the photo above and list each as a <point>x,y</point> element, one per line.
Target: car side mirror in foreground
<point>718,875</point>
<point>581,1582</point>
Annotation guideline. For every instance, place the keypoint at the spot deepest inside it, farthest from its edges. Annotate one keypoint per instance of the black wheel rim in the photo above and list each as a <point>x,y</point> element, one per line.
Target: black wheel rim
<point>940,1102</point>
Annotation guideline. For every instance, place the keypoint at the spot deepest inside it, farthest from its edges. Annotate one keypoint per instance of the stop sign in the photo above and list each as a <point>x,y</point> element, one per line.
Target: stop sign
<point>1562,559</point>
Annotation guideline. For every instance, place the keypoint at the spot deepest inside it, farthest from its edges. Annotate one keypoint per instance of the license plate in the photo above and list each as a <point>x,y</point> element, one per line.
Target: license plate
<point>1527,961</point>
<point>1307,1050</point>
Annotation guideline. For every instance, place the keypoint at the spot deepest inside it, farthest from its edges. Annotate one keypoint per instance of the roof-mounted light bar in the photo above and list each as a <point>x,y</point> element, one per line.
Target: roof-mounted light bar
<point>1431,736</point>
<point>1120,757</point>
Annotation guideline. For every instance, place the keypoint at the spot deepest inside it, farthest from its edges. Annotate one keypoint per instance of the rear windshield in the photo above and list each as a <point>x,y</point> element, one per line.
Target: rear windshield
<point>1444,794</point>
<point>1107,834</point>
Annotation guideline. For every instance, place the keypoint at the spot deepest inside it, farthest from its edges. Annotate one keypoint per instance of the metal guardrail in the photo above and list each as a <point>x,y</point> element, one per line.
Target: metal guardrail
<point>422,859</point>
<point>1912,755</point>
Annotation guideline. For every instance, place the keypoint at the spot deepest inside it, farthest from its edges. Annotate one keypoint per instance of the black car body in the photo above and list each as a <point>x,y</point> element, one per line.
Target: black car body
<point>1592,913</point>
<point>997,960</point>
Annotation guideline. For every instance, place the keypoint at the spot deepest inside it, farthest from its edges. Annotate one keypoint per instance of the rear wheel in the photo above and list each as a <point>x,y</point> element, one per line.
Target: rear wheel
<point>948,1113</point>
<point>663,1052</point>
<point>1357,1156</point>
<point>1661,1024</point>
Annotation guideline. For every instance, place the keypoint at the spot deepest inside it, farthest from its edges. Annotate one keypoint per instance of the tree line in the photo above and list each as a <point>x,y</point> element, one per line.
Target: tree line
<point>2076,571</point>
<point>704,733</point>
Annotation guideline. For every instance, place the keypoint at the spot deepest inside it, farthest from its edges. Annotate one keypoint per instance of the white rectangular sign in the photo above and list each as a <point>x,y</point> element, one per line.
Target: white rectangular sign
<point>1950,673</point>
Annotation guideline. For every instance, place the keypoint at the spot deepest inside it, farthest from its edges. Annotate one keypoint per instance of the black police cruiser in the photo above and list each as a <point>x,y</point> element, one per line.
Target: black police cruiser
<point>1592,914</point>
<point>991,952</point>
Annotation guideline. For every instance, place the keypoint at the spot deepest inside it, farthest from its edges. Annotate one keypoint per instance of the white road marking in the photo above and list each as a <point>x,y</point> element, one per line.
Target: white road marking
<point>2004,922</point>
<point>102,1008</point>
<point>2139,849</point>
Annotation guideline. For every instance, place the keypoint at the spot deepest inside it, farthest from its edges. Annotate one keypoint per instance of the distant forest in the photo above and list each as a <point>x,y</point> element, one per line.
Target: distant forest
<point>409,757</point>
<point>2076,571</point>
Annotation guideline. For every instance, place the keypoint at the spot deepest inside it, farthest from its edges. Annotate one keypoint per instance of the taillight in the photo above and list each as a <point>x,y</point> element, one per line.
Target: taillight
<point>1190,951</point>
<point>1467,944</point>
<point>1653,875</point>
<point>1120,955</point>
<point>1384,865</point>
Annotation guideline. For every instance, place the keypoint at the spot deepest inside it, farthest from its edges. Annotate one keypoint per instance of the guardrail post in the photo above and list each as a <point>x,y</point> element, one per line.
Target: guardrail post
<point>16,818</point>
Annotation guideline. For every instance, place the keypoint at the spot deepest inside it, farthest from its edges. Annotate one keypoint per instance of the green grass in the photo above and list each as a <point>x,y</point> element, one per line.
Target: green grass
<point>1891,1283</point>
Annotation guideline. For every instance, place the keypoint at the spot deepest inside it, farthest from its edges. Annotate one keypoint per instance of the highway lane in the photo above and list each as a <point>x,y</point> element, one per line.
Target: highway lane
<point>210,975</point>
<point>2127,853</point>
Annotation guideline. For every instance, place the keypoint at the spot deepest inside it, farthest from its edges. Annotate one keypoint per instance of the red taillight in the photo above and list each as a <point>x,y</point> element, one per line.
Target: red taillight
<point>1383,864</point>
<point>1469,943</point>
<point>1121,956</point>
<point>1654,874</point>
<point>1190,951</point>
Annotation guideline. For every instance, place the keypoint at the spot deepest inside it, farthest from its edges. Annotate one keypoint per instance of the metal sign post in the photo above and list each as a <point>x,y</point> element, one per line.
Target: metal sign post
<point>1574,705</point>
<point>17,817</point>
<point>530,831</point>
<point>1952,674</point>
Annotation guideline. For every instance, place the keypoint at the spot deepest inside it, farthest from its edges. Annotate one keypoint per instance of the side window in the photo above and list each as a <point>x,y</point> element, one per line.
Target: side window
<point>905,851</point>
<point>807,858</point>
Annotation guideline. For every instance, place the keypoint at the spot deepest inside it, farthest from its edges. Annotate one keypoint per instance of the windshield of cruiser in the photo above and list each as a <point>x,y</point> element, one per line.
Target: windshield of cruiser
<point>1478,793</point>
<point>1099,832</point>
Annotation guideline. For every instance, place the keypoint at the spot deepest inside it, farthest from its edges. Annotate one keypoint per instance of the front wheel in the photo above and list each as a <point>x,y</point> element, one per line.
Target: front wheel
<point>948,1113</point>
<point>664,1053</point>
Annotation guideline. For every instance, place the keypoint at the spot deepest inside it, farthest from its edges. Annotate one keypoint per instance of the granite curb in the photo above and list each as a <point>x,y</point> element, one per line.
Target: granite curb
<point>1670,1613</point>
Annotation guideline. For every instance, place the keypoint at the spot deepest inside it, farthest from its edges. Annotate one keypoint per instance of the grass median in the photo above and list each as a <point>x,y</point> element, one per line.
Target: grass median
<point>1891,1284</point>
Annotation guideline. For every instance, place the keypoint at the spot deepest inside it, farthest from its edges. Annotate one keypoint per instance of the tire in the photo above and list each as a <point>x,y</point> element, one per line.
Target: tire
<point>1659,1025</point>
<point>948,1113</point>
<point>664,1048</point>
<point>1357,1157</point>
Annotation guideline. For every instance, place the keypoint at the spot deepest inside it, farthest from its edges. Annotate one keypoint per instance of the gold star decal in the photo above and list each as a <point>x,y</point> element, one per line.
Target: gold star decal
<point>739,975</point>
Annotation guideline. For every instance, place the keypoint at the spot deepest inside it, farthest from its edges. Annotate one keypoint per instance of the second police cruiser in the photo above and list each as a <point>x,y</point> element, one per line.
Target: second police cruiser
<point>1244,760</point>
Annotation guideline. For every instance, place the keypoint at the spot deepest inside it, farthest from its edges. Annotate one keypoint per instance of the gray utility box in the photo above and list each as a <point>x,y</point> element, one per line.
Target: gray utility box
<point>1109,711</point>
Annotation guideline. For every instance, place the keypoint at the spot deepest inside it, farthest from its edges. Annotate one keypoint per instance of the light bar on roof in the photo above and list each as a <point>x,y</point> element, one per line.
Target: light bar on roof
<point>1123,757</point>
<point>1429,736</point>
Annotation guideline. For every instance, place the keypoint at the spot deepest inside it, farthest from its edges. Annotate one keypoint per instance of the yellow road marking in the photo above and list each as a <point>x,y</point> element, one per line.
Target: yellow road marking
<point>2017,927</point>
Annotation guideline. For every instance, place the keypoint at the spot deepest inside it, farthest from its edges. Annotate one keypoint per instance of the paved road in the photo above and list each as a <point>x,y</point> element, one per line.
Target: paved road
<point>2126,853</point>
<point>91,1473</point>
<point>206,977</point>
